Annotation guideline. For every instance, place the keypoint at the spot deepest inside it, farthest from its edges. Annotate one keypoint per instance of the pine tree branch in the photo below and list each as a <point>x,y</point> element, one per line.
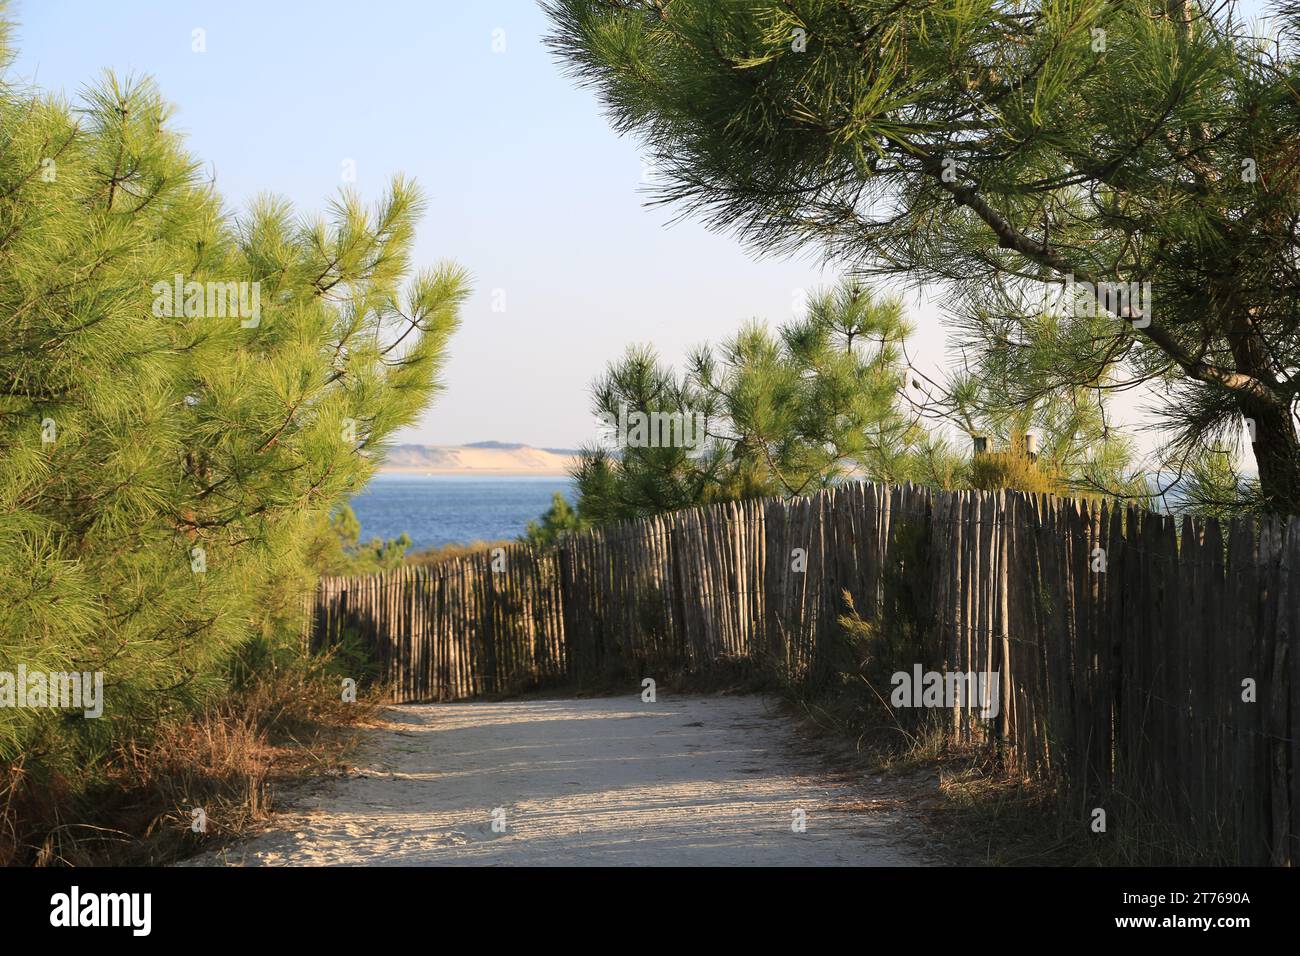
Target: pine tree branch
<point>1011,238</point>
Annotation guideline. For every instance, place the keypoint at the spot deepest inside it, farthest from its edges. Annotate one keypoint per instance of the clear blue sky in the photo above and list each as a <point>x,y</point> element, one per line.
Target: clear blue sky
<point>528,186</point>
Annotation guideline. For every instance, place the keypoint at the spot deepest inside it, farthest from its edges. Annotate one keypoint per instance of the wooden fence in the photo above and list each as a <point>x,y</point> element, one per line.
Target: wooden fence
<point>1148,667</point>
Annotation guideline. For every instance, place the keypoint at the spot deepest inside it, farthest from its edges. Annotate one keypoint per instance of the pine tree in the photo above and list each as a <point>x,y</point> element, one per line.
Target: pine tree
<point>782,413</point>
<point>833,396</point>
<point>336,548</point>
<point>185,394</point>
<point>1007,397</point>
<point>1136,163</point>
<point>556,521</point>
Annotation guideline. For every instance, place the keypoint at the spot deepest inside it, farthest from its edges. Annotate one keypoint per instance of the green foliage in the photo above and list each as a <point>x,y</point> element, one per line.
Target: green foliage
<point>1212,487</point>
<point>556,521</point>
<point>1013,470</point>
<point>783,413</point>
<point>827,398</point>
<point>1007,150</point>
<point>164,467</point>
<point>1009,394</point>
<point>337,548</point>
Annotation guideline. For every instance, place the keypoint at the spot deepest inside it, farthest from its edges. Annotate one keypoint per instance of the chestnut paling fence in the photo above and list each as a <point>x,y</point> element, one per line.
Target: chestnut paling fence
<point>1143,664</point>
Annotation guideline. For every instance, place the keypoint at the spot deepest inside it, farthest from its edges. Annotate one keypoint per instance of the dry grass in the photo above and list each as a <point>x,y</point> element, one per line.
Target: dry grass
<point>975,811</point>
<point>986,816</point>
<point>971,811</point>
<point>449,551</point>
<point>135,805</point>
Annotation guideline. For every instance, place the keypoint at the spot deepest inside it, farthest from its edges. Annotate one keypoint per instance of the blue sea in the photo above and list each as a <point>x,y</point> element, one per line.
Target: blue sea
<point>453,509</point>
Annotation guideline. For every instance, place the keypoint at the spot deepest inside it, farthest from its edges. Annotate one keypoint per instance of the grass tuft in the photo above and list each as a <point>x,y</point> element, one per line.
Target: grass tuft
<point>281,722</point>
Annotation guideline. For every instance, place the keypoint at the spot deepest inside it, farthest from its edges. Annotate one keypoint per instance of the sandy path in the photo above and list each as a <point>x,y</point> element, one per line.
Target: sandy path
<point>699,781</point>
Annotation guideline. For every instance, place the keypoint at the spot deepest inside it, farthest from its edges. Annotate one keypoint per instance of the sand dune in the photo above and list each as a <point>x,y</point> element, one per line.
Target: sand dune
<point>488,458</point>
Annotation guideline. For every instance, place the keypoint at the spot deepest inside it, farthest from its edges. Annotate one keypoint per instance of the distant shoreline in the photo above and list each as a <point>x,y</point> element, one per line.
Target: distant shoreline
<point>482,459</point>
<point>475,472</point>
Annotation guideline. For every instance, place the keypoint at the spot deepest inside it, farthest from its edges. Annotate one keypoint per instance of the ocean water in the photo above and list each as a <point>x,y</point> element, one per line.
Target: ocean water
<point>453,509</point>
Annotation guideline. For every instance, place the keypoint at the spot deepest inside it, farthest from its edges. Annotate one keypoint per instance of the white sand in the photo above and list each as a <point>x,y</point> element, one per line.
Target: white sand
<point>461,460</point>
<point>698,781</point>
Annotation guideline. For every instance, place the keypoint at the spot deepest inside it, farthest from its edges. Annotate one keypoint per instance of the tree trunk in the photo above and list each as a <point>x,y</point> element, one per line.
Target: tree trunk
<point>1277,454</point>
